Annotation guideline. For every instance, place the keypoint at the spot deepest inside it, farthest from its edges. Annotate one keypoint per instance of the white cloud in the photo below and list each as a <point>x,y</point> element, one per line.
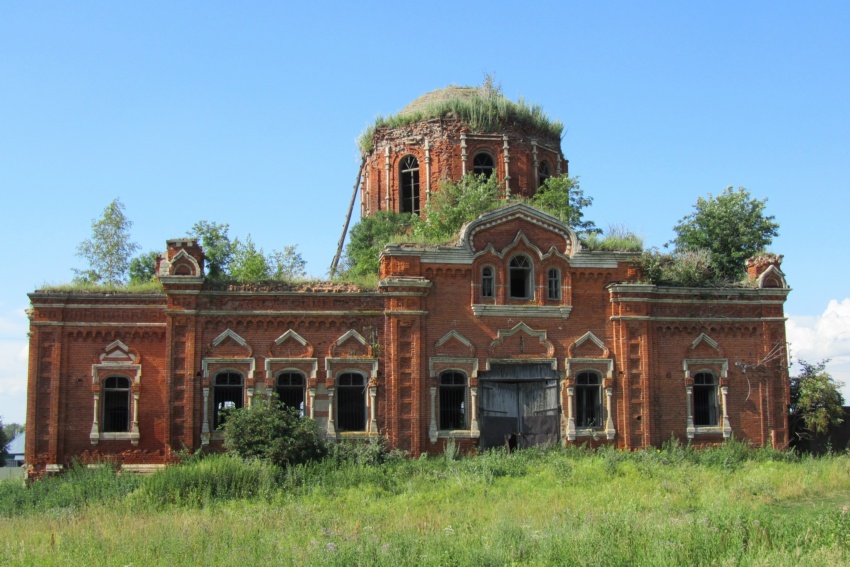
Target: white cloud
<point>14,350</point>
<point>826,336</point>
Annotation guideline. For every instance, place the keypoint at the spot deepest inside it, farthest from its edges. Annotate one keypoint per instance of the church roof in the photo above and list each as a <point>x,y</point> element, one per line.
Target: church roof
<point>421,104</point>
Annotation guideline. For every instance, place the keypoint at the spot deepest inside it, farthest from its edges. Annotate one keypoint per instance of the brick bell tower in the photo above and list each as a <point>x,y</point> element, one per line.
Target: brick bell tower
<point>446,134</point>
<point>406,163</point>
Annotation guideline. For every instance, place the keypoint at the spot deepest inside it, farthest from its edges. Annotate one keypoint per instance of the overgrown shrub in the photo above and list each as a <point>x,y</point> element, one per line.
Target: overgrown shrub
<point>269,431</point>
<point>205,481</point>
<point>369,236</point>
<point>616,238</point>
<point>456,203</point>
<point>688,268</point>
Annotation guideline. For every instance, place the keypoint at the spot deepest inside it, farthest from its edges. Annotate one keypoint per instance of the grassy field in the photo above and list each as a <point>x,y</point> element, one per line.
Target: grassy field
<point>725,506</point>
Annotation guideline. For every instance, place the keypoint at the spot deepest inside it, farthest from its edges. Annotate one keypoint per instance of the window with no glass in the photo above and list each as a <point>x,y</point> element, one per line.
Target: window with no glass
<point>409,185</point>
<point>452,400</point>
<point>543,173</point>
<point>351,402</point>
<point>483,164</point>
<point>588,400</point>
<point>705,399</point>
<point>227,396</point>
<point>290,390</point>
<point>554,281</point>
<point>520,274</point>
<point>488,287</point>
<point>116,404</point>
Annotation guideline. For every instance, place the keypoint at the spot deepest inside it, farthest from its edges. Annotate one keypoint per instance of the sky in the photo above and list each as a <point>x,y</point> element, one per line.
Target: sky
<point>247,113</point>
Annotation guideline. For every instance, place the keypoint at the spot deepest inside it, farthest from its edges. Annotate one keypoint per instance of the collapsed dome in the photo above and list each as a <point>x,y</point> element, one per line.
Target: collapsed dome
<point>451,132</point>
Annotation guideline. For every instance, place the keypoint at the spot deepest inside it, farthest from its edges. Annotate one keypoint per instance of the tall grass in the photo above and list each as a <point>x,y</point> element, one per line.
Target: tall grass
<point>670,506</point>
<point>482,110</point>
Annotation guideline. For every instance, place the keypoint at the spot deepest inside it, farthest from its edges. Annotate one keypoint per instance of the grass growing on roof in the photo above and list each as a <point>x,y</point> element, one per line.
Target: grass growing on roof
<point>483,109</point>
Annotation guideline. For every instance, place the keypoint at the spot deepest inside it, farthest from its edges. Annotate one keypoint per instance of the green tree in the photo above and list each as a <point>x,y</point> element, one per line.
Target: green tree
<point>369,236</point>
<point>816,401</point>
<point>218,249</point>
<point>143,267</point>
<point>109,249</point>
<point>12,429</point>
<point>562,197</point>
<point>4,440</point>
<point>248,263</point>
<point>732,226</point>
<point>456,203</point>
<point>287,263</point>
<point>269,431</point>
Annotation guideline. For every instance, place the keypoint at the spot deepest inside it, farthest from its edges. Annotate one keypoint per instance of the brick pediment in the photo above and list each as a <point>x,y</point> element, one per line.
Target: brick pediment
<point>229,345</point>
<point>588,346</point>
<point>704,347</point>
<point>454,344</point>
<point>503,227</point>
<point>521,341</point>
<point>291,345</point>
<point>350,345</point>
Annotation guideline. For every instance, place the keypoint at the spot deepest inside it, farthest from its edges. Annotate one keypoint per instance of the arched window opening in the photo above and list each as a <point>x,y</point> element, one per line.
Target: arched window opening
<point>554,283</point>
<point>227,396</point>
<point>452,400</point>
<point>483,164</point>
<point>116,405</point>
<point>290,390</point>
<point>409,185</point>
<point>588,400</point>
<point>351,402</point>
<point>521,278</point>
<point>488,283</point>
<point>705,399</point>
<point>543,173</point>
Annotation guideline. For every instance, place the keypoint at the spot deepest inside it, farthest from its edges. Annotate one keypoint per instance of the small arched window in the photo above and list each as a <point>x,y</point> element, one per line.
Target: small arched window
<point>554,283</point>
<point>483,164</point>
<point>116,405</point>
<point>543,173</point>
<point>588,400</point>
<point>452,400</point>
<point>351,402</point>
<point>409,175</point>
<point>227,396</point>
<point>521,278</point>
<point>705,399</point>
<point>488,282</point>
<point>290,390</point>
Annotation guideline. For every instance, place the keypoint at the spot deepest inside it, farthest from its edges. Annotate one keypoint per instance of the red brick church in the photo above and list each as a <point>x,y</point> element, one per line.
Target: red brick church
<point>513,332</point>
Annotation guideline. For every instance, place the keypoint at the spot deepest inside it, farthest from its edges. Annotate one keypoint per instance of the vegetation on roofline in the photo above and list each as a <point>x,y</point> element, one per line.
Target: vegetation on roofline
<point>90,287</point>
<point>485,109</point>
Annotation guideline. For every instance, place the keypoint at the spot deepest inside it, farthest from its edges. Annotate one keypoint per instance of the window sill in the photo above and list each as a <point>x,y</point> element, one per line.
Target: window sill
<point>708,429</point>
<point>549,311</point>
<point>458,434</point>
<point>133,437</point>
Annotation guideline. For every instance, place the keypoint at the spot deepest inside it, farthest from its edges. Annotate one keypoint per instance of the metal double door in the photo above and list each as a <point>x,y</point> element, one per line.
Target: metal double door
<point>520,413</point>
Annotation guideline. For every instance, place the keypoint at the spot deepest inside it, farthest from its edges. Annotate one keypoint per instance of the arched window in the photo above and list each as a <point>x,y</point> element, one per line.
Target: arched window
<point>488,282</point>
<point>554,283</point>
<point>116,405</point>
<point>409,185</point>
<point>351,402</point>
<point>543,173</point>
<point>521,278</point>
<point>290,390</point>
<point>705,399</point>
<point>588,400</point>
<point>483,164</point>
<point>227,396</point>
<point>452,400</point>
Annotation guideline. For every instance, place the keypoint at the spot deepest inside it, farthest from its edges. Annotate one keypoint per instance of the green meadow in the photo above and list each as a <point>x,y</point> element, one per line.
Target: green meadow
<point>730,505</point>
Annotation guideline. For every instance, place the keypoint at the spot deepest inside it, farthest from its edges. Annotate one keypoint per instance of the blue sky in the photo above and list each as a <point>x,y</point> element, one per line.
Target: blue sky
<point>247,114</point>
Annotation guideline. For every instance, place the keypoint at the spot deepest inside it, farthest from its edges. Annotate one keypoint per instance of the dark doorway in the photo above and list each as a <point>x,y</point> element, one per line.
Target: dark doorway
<point>519,402</point>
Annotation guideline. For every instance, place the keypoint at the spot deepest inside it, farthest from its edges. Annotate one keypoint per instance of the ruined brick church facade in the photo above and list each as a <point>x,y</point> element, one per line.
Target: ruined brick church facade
<point>514,332</point>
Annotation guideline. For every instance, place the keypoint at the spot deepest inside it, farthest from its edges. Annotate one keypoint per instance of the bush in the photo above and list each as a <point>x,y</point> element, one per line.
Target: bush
<point>269,431</point>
